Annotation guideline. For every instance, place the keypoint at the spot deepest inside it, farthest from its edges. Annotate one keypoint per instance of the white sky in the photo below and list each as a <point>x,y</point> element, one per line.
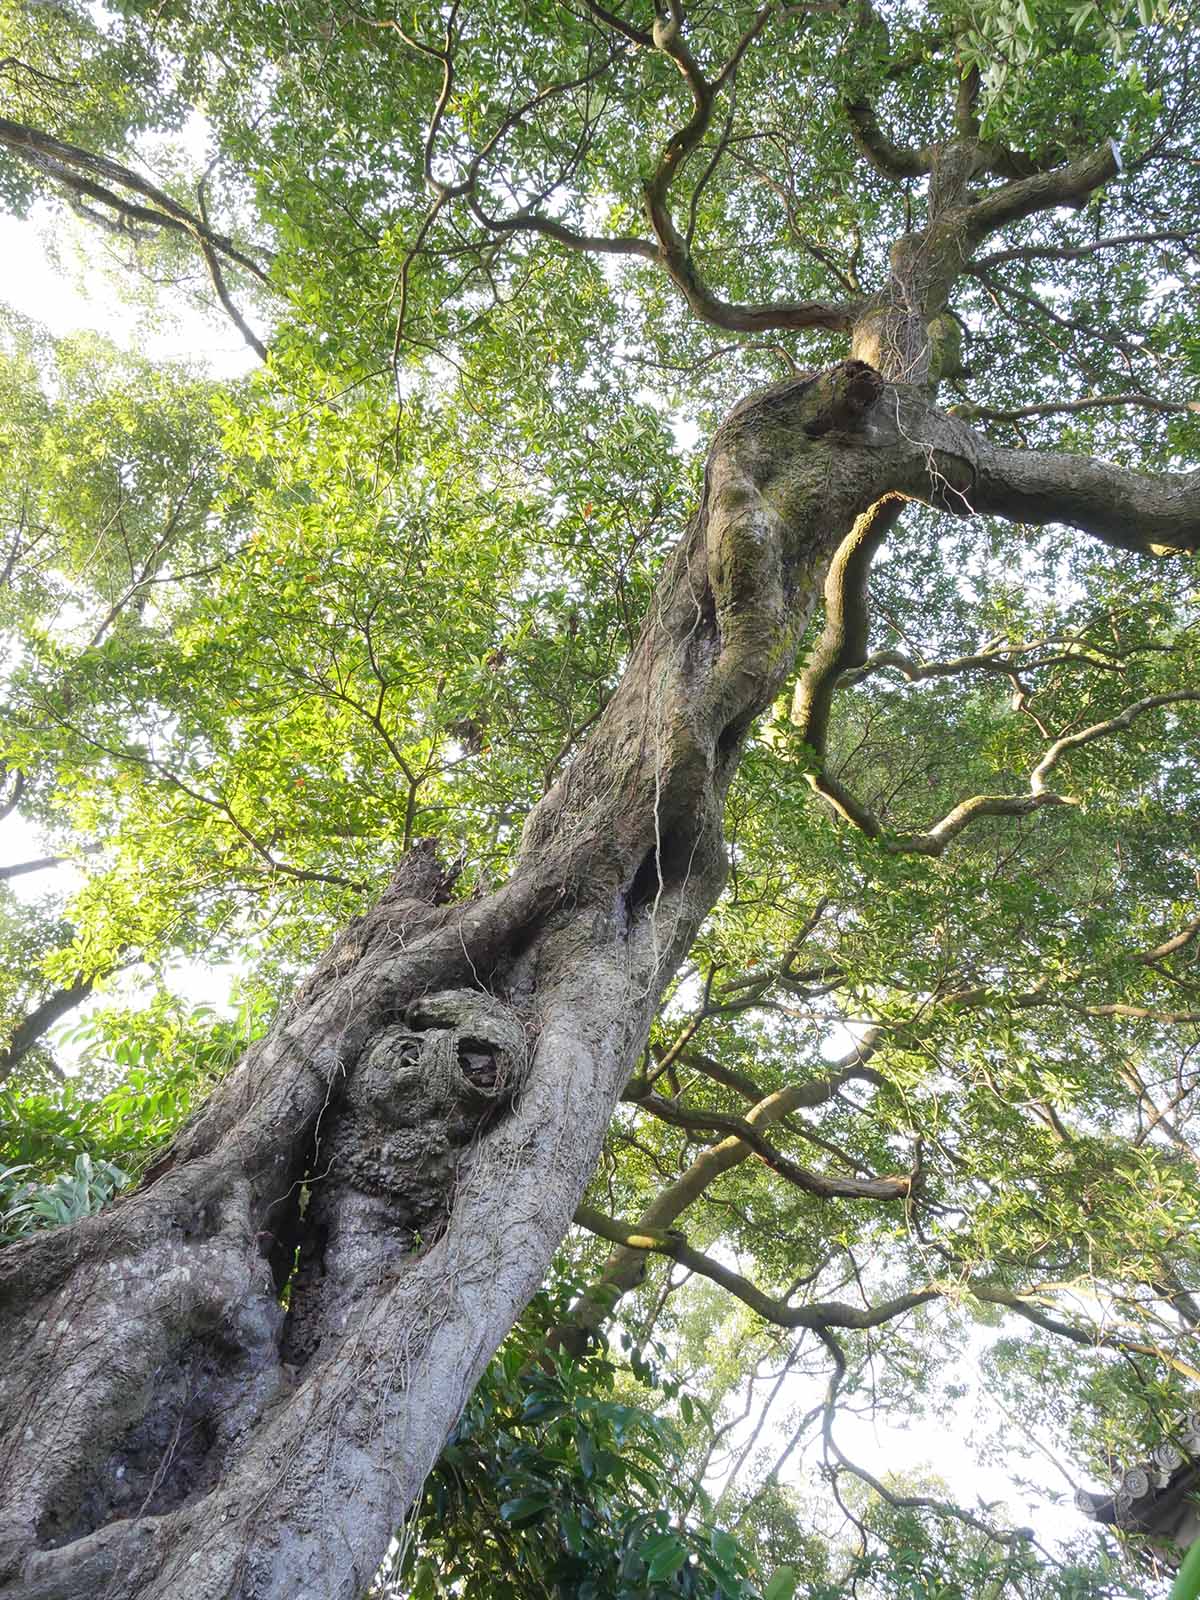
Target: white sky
<point>33,285</point>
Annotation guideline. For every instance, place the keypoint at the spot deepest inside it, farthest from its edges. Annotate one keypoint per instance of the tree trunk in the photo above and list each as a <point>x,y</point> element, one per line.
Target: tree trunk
<point>234,1381</point>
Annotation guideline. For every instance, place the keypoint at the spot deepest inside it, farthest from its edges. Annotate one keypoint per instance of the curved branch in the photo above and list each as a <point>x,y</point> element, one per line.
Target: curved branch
<point>1085,488</point>
<point>626,1266</point>
<point>167,213</point>
<point>961,816</point>
<point>843,641</point>
<point>820,1314</point>
<point>668,249</point>
<point>529,220</point>
<point>824,1185</point>
<point>674,254</point>
<point>888,158</point>
<point>905,1502</point>
<point>1087,330</point>
<point>1116,1008</point>
<point>725,1076</point>
<point>1057,408</point>
<point>1002,659</point>
<point>1077,252</point>
<point>217,803</point>
<point>935,840</point>
<point>1099,730</point>
<point>713,1070</point>
<point>1041,995</point>
<point>870,39</point>
<point>1168,947</point>
<point>1070,185</point>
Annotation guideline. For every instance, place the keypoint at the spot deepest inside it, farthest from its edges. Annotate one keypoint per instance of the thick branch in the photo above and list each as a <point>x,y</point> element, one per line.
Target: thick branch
<point>1168,947</point>
<point>892,160</point>
<point>1070,185</point>
<point>41,864</point>
<point>637,36</point>
<point>870,40</point>
<point>951,467</point>
<point>837,316</point>
<point>961,816</point>
<point>37,1023</point>
<point>1151,514</point>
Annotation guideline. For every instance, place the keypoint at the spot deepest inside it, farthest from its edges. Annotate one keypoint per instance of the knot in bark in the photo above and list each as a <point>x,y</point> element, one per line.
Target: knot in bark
<point>457,1054</point>
<point>474,1043</point>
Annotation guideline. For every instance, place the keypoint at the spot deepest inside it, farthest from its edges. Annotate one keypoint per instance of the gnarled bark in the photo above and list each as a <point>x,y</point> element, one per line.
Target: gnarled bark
<point>235,1381</point>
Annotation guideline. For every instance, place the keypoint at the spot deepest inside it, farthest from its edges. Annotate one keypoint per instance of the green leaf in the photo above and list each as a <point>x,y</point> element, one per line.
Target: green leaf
<point>664,1557</point>
<point>724,1547</point>
<point>782,1584</point>
<point>524,1509</point>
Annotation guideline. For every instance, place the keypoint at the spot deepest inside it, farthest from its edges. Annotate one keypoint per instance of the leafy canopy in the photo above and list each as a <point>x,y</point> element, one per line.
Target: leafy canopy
<point>261,635</point>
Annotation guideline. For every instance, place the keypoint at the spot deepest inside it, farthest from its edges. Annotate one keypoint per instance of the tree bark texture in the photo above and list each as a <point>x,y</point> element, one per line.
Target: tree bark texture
<point>233,1383</point>
<point>235,1380</point>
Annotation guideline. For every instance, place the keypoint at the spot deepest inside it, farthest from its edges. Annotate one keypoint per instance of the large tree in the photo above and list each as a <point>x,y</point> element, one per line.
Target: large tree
<point>417,576</point>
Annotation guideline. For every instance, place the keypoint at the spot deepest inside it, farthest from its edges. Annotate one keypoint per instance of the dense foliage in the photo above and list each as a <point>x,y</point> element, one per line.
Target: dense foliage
<point>262,635</point>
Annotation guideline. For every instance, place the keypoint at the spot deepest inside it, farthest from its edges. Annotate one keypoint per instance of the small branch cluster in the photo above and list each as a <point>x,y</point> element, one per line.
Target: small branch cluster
<point>85,177</point>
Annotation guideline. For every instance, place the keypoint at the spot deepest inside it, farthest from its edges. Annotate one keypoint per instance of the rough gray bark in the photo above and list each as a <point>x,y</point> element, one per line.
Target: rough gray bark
<point>399,1159</point>
<point>233,1383</point>
<point>402,1155</point>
